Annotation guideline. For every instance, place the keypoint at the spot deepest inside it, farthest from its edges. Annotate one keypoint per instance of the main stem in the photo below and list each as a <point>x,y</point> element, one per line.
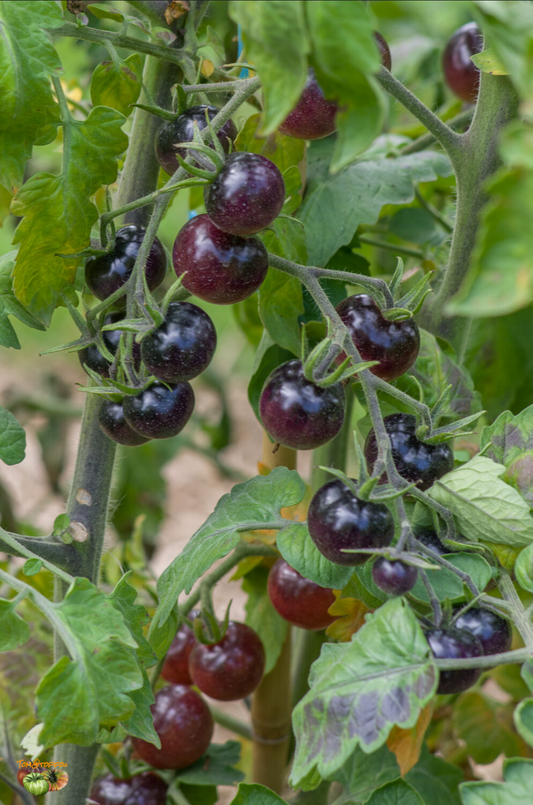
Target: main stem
<point>88,502</point>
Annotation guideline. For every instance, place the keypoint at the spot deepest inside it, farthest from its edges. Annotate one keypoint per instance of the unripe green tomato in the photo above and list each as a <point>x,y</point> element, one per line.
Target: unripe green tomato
<point>35,784</point>
<point>524,568</point>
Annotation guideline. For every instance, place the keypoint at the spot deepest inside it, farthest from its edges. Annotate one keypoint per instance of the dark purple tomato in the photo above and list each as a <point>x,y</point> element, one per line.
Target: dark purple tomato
<point>181,130</point>
<point>221,268</point>
<point>106,274</point>
<point>93,358</point>
<point>431,540</point>
<point>393,576</point>
<point>416,461</point>
<point>313,117</point>
<point>143,789</point>
<point>493,632</point>
<point>183,346</point>
<point>184,724</point>
<point>246,196</point>
<point>455,644</point>
<point>298,413</point>
<point>300,601</point>
<point>176,666</point>
<point>160,412</point>
<point>395,344</point>
<point>384,49</point>
<point>232,668</point>
<point>461,74</point>
<point>113,423</point>
<point>339,521</point>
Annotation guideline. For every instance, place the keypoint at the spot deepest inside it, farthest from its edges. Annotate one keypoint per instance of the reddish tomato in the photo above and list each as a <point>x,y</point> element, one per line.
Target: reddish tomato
<point>300,601</point>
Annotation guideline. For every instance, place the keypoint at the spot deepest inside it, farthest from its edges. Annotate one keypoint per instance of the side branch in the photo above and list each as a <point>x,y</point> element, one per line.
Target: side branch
<point>449,140</point>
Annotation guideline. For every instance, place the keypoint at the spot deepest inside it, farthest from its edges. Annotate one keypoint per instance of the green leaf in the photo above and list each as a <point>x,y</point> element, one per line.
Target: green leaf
<point>248,507</point>
<point>360,690</point>
<point>512,445</point>
<point>12,439</point>
<point>523,719</point>
<point>299,550</point>
<point>27,60</point>
<point>268,357</point>
<point>523,568</point>
<point>362,774</point>
<point>141,723</point>
<point>14,631</point>
<point>417,226</point>
<point>256,795</point>
<point>335,206</point>
<point>91,688</point>
<point>10,305</point>
<point>123,599</point>
<point>280,304</point>
<point>436,368</point>
<point>447,585</point>
<point>436,781</point>
<point>345,55</point>
<point>57,213</point>
<point>216,767</point>
<point>486,508</point>
<point>283,151</point>
<point>199,794</point>
<point>262,617</point>
<point>486,727</point>
<point>488,62</point>
<point>106,12</point>
<point>500,279</point>
<point>396,793</point>
<point>516,790</point>
<point>276,41</point>
<point>32,567</point>
<point>117,84</point>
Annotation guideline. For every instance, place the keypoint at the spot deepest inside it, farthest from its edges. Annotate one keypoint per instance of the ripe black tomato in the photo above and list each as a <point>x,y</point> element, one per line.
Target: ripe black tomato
<point>393,576</point>
<point>461,74</point>
<point>384,49</point>
<point>220,268</point>
<point>184,724</point>
<point>298,413</point>
<point>313,117</point>
<point>113,423</point>
<point>455,644</point>
<point>160,412</point>
<point>176,665</point>
<point>232,668</point>
<point>395,344</point>
<point>106,274</point>
<point>183,346</point>
<point>93,358</point>
<point>142,789</point>
<point>337,520</point>
<point>493,632</point>
<point>431,540</point>
<point>416,461</point>
<point>300,601</point>
<point>181,130</point>
<point>246,196</point>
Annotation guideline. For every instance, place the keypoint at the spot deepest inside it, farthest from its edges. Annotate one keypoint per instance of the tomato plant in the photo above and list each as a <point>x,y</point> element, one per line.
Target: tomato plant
<point>353,181</point>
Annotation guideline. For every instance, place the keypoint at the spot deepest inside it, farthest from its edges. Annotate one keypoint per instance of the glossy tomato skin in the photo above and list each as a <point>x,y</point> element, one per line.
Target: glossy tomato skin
<point>106,274</point>
<point>181,130</point>
<point>300,601</point>
<point>93,358</point>
<point>160,412</point>
<point>298,413</point>
<point>220,268</point>
<point>384,49</point>
<point>393,576</point>
<point>232,668</point>
<point>176,666</point>
<point>416,461</point>
<point>395,344</point>
<point>113,423</point>
<point>142,789</point>
<point>184,724</point>
<point>493,632</point>
<point>461,74</point>
<point>337,520</point>
<point>313,117</point>
<point>455,644</point>
<point>183,346</point>
<point>246,196</point>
